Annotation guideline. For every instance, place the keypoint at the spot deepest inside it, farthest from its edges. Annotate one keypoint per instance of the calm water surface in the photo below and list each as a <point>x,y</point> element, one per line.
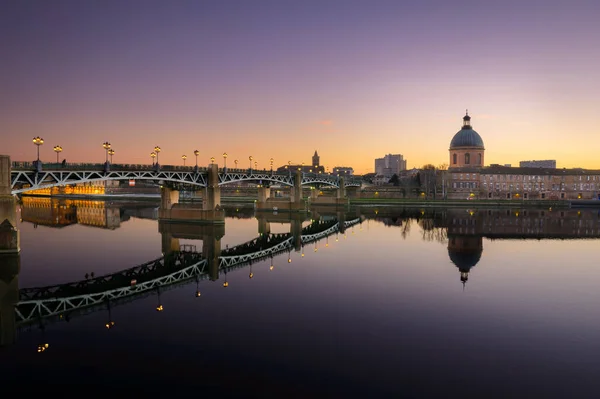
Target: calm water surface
<point>406,303</point>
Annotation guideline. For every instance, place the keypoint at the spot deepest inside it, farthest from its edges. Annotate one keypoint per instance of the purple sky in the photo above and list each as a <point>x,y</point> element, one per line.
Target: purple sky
<point>353,80</point>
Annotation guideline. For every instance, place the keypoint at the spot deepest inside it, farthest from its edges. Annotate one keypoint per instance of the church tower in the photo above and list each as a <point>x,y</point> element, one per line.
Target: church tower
<point>315,160</point>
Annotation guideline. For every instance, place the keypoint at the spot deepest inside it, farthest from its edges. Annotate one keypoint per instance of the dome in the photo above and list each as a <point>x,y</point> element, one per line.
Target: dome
<point>464,260</point>
<point>466,137</point>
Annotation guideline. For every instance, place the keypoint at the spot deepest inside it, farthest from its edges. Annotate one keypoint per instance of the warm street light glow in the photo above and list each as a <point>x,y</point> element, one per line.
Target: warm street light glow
<point>57,149</point>
<point>184,157</point>
<point>250,158</point>
<point>153,155</point>
<point>111,152</point>
<point>224,160</point>
<point>106,146</point>
<point>38,141</point>
<point>212,160</point>
<point>235,161</point>
<point>42,347</point>
<point>196,152</point>
<point>156,151</point>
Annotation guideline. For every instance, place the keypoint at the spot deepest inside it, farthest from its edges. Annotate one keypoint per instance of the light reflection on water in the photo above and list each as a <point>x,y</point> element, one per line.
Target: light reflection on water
<point>380,309</point>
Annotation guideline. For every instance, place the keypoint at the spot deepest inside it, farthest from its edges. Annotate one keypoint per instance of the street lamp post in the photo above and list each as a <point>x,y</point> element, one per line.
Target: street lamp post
<point>57,149</point>
<point>156,151</point>
<point>235,161</point>
<point>271,160</point>
<point>153,155</point>
<point>212,160</point>
<point>184,157</point>
<point>38,141</point>
<point>224,160</point>
<point>196,152</point>
<point>106,146</point>
<point>255,165</point>
<point>250,158</point>
<point>111,152</point>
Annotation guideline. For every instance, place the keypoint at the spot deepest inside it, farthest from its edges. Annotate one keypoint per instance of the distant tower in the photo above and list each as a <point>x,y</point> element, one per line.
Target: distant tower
<point>315,160</point>
<point>466,147</point>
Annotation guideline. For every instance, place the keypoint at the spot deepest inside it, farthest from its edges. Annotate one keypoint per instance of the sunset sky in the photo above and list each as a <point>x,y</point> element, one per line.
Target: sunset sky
<point>354,80</point>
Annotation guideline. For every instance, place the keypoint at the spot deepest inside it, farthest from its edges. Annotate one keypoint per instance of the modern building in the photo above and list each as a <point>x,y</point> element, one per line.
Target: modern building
<point>467,177</point>
<point>548,163</point>
<point>389,165</point>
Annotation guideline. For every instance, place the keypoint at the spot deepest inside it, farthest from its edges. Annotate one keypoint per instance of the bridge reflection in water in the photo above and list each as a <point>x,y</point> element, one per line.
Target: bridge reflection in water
<point>462,229</point>
<point>180,264</point>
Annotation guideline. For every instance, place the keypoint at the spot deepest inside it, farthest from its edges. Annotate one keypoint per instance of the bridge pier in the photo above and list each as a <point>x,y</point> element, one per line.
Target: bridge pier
<point>10,265</point>
<point>341,191</point>
<point>294,204</point>
<point>264,193</point>
<point>210,213</point>
<point>341,217</point>
<point>213,191</point>
<point>10,258</point>
<point>296,191</point>
<point>4,175</point>
<point>211,251</point>
<point>296,231</point>
<point>264,227</point>
<point>168,198</point>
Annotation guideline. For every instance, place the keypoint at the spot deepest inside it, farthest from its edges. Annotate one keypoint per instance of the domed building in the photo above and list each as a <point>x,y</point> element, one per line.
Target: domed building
<point>465,252</point>
<point>466,147</point>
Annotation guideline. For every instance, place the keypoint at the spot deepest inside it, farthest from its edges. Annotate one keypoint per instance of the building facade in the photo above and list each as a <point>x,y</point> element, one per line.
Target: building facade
<point>343,171</point>
<point>548,163</point>
<point>468,178</point>
<point>389,165</point>
<point>466,147</point>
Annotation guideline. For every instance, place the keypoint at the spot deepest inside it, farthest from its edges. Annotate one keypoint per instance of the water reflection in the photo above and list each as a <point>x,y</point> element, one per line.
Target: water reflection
<point>462,230</point>
<point>179,264</point>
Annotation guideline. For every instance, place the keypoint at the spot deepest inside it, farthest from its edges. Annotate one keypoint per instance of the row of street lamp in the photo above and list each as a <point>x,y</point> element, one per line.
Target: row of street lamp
<point>212,159</point>
<point>38,141</point>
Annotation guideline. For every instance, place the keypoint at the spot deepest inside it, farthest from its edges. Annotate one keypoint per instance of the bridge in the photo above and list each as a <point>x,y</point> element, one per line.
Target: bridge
<point>21,177</point>
<point>25,176</point>
<point>175,268</point>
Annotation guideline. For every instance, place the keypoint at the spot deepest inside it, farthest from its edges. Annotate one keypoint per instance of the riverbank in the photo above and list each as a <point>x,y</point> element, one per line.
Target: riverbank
<point>359,201</point>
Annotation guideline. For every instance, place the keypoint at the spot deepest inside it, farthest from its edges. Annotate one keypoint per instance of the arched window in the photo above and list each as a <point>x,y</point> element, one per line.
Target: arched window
<point>454,159</point>
<point>479,159</point>
<point>467,158</point>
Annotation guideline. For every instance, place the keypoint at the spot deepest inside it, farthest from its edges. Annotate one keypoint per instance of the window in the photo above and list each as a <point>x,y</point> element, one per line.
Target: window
<point>454,157</point>
<point>467,159</point>
<point>479,159</point>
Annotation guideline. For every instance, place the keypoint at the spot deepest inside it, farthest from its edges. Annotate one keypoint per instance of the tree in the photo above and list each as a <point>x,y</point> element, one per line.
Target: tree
<point>395,180</point>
